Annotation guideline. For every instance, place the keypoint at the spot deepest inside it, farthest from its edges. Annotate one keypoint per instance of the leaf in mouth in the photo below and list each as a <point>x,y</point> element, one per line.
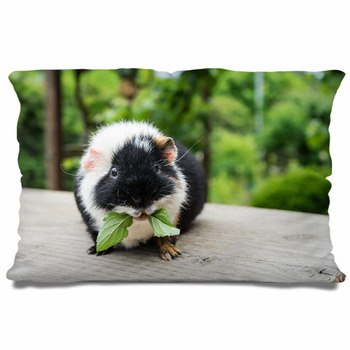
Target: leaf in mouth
<point>161,224</point>
<point>115,228</point>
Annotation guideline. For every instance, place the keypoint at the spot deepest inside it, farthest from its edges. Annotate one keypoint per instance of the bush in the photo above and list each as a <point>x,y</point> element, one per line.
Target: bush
<point>226,190</point>
<point>299,190</point>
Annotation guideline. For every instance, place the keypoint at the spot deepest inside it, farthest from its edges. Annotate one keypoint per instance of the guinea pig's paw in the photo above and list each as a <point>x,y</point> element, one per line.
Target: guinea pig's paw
<point>92,251</point>
<point>169,251</point>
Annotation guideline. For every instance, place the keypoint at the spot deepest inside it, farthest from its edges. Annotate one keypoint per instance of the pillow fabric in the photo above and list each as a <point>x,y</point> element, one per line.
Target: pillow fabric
<point>263,140</point>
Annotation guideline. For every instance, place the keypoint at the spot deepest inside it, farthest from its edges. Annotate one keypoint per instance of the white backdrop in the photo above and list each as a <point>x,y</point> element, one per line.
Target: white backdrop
<point>169,36</point>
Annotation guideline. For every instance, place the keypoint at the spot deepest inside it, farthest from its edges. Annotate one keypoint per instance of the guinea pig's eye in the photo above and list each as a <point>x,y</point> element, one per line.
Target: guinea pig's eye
<point>114,172</point>
<point>156,168</point>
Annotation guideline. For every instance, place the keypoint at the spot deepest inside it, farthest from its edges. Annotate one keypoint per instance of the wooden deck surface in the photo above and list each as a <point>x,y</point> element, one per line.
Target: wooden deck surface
<point>226,243</point>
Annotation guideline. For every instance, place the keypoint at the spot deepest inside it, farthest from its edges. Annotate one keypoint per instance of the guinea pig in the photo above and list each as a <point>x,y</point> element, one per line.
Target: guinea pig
<point>131,167</point>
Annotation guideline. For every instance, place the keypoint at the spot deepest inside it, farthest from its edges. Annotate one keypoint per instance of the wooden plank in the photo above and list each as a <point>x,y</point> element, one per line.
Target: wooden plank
<point>226,243</point>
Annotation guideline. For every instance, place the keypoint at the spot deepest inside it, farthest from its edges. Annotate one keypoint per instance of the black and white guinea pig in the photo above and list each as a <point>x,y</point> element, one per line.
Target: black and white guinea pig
<point>131,167</point>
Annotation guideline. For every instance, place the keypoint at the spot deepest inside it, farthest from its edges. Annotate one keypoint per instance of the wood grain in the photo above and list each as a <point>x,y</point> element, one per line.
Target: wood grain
<point>225,244</point>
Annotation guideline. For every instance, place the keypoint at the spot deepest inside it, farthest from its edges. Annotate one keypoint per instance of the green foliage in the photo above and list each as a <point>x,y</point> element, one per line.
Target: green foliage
<point>210,110</point>
<point>225,189</point>
<point>297,117</point>
<point>71,120</point>
<point>235,153</point>
<point>102,84</point>
<point>298,190</point>
<point>284,135</point>
<point>232,114</point>
<point>238,85</point>
<point>30,91</point>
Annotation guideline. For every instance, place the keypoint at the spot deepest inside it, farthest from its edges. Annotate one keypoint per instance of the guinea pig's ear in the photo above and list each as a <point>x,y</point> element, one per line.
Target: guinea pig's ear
<point>167,147</point>
<point>90,159</point>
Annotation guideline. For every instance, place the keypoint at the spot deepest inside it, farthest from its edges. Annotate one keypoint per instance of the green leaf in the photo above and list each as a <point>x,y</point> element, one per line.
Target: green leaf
<point>113,230</point>
<point>161,224</point>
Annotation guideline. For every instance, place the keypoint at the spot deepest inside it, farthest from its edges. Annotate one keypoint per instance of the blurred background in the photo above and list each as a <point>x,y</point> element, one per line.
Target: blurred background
<point>262,138</point>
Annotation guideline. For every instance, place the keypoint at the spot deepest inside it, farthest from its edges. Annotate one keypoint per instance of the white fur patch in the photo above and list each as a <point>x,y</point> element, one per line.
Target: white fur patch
<point>143,144</point>
<point>110,138</point>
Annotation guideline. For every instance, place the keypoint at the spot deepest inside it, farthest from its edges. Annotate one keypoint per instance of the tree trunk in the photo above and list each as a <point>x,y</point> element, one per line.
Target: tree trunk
<point>53,131</point>
<point>206,147</point>
<point>206,94</point>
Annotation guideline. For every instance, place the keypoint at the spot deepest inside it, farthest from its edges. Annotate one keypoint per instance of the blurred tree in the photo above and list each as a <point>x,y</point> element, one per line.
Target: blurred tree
<point>283,138</point>
<point>235,154</point>
<point>203,81</point>
<point>128,84</point>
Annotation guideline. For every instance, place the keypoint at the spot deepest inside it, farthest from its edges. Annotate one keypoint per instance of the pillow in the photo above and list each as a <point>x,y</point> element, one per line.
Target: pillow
<point>263,139</point>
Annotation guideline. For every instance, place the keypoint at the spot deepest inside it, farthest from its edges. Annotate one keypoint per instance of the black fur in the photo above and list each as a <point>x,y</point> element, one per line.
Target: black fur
<point>197,186</point>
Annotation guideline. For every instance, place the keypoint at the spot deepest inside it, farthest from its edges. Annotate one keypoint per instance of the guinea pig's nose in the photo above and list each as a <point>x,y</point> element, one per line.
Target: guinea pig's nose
<point>136,200</point>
